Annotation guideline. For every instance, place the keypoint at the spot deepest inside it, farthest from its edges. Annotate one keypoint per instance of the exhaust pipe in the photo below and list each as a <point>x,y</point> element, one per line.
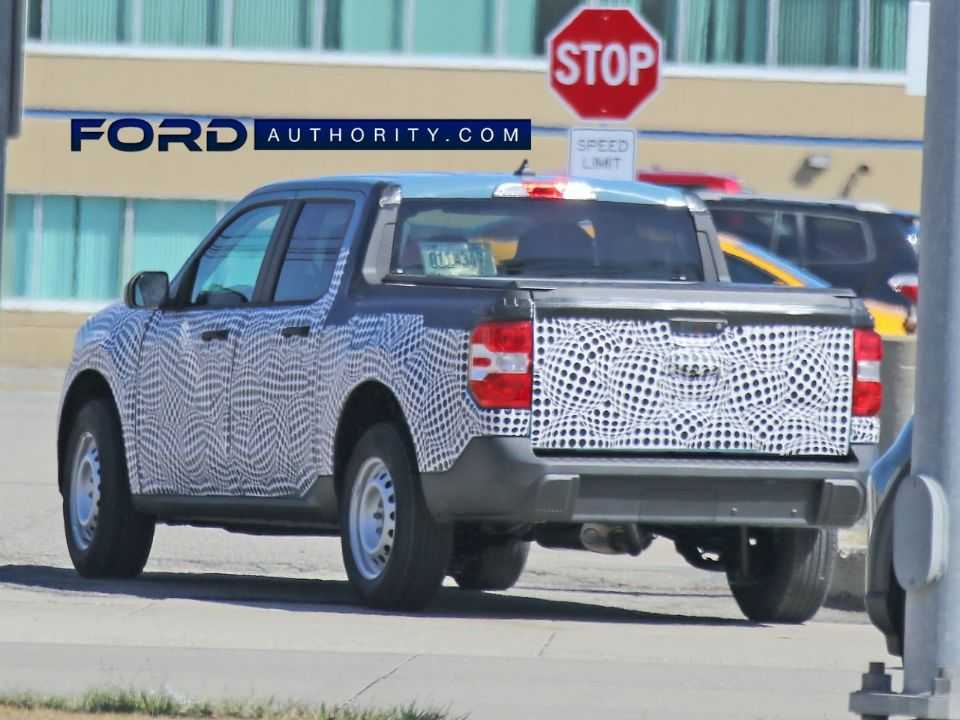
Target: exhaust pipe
<point>604,538</point>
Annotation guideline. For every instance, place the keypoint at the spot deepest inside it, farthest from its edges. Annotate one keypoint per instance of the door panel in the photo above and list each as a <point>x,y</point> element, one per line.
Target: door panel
<point>276,375</point>
<point>184,389</point>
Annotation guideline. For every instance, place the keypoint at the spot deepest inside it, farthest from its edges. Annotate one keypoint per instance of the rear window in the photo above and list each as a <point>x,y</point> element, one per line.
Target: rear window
<point>511,237</point>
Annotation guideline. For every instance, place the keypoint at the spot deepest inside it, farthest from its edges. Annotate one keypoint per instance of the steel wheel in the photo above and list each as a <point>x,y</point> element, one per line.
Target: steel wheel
<point>373,518</point>
<point>85,491</point>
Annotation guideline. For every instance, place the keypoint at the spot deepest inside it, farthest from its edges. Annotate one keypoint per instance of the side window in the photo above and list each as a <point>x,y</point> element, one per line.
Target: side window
<point>752,226</point>
<point>835,241</point>
<point>787,237</point>
<point>743,272</point>
<point>227,270</point>
<point>312,253</point>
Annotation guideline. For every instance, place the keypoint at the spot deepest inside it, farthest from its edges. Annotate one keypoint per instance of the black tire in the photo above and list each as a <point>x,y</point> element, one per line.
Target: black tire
<point>495,567</point>
<point>117,544</point>
<point>790,573</point>
<point>417,559</point>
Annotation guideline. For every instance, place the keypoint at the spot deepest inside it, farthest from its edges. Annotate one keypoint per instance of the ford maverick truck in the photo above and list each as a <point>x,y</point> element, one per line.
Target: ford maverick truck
<point>444,368</point>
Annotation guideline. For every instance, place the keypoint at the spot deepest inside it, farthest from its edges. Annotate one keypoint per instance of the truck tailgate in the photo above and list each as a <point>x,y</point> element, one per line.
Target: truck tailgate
<point>693,369</point>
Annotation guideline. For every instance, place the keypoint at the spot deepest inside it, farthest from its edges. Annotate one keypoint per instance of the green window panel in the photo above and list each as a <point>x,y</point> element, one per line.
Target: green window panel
<point>89,21</point>
<point>888,34</point>
<point>363,25</point>
<point>167,231</point>
<point>184,23</point>
<point>98,246</point>
<point>280,24</point>
<point>518,28</point>
<point>15,279</point>
<point>53,257</point>
<point>726,32</point>
<point>818,33</point>
<point>464,27</point>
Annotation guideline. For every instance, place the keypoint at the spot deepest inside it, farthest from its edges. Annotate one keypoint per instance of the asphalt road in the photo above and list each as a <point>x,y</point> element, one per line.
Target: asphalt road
<point>218,614</point>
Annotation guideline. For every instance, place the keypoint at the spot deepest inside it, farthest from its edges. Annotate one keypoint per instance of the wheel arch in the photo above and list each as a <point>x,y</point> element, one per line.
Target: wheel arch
<point>88,384</point>
<point>369,403</point>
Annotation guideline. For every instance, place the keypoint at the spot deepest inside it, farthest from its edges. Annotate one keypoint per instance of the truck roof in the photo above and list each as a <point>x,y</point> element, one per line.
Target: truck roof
<point>482,185</point>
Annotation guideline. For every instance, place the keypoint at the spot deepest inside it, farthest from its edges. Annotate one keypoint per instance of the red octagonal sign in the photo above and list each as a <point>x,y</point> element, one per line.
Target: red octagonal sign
<point>604,63</point>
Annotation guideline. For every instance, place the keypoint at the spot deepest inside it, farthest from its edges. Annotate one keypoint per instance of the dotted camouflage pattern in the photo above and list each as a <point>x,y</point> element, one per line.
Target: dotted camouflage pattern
<point>635,385</point>
<point>865,430</point>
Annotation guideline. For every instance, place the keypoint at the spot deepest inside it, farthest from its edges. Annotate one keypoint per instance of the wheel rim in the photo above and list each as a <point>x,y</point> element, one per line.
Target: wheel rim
<point>85,492</point>
<point>373,518</point>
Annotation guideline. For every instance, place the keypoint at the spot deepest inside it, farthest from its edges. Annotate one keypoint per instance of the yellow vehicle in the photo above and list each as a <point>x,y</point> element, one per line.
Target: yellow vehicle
<point>750,263</point>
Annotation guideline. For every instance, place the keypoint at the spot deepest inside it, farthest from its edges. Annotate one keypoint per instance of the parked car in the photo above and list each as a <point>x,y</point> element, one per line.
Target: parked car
<point>348,356</point>
<point>862,246</point>
<point>749,263</point>
<point>691,180</point>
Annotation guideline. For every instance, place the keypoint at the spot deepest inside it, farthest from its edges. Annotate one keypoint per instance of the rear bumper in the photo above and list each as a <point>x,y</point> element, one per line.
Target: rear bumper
<point>500,479</point>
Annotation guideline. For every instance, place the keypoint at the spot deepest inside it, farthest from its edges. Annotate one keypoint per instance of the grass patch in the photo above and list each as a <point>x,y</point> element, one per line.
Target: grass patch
<point>165,705</point>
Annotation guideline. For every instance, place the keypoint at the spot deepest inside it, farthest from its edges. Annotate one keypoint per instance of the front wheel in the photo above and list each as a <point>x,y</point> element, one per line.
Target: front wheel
<point>788,576</point>
<point>106,537</point>
<point>395,553</point>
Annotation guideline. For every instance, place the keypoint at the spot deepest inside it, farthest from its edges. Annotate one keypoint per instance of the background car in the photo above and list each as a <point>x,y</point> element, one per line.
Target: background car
<point>749,263</point>
<point>865,247</point>
<point>692,181</point>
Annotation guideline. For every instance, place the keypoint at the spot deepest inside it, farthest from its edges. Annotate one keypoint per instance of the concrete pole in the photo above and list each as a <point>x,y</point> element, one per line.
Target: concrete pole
<point>932,638</point>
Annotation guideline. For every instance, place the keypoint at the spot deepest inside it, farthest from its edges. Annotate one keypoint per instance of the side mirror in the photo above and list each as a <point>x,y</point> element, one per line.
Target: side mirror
<point>149,289</point>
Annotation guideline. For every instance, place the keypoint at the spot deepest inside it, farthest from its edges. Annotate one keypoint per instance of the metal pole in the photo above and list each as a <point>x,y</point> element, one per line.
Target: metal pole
<point>932,637</point>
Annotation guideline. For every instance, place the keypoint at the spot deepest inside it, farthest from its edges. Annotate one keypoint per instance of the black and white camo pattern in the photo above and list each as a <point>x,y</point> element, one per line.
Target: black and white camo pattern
<point>865,430</point>
<point>108,343</point>
<point>634,385</point>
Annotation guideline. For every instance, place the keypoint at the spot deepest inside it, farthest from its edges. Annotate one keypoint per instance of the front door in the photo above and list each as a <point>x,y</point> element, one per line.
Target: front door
<point>183,401</point>
<point>276,370</point>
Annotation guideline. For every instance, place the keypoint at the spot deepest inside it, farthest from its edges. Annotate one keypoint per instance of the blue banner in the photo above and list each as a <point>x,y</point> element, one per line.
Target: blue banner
<point>339,134</point>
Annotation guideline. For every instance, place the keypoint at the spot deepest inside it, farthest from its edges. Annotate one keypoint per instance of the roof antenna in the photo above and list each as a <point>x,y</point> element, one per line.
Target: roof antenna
<point>523,169</point>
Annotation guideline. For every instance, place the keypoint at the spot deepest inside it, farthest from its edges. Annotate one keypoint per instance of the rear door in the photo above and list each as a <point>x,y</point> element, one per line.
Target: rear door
<point>183,389</point>
<point>277,372</point>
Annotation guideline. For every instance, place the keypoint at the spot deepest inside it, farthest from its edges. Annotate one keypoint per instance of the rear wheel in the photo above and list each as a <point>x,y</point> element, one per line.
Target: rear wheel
<point>106,537</point>
<point>788,574</point>
<point>395,553</point>
<point>494,567</point>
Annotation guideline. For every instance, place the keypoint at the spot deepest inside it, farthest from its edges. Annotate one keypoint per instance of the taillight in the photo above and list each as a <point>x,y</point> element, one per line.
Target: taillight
<point>501,364</point>
<point>867,389</point>
<point>555,189</point>
<point>906,284</point>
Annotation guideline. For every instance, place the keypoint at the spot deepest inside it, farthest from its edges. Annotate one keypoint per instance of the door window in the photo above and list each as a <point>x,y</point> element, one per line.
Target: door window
<point>228,269</point>
<point>835,241</point>
<point>313,250</point>
<point>752,226</point>
<point>787,236</point>
<point>743,272</point>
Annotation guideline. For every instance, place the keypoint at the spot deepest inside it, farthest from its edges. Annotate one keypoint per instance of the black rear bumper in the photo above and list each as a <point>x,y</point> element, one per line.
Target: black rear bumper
<point>501,479</point>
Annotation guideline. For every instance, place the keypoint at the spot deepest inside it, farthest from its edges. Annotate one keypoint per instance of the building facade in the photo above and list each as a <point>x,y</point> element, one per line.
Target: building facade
<point>791,96</point>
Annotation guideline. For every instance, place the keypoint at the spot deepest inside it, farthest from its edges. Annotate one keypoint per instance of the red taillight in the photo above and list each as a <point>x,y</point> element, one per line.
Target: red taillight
<point>867,389</point>
<point>501,364</point>
<point>553,189</point>
<point>906,284</point>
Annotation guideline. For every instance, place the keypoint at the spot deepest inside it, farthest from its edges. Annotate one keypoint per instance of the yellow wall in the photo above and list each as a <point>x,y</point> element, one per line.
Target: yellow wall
<point>40,160</point>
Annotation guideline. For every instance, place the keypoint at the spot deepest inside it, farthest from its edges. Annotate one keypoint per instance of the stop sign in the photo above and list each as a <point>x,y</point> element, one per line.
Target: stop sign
<point>604,63</point>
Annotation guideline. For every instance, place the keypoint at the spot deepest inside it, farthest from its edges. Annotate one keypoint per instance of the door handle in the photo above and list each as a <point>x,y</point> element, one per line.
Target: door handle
<point>295,330</point>
<point>208,335</point>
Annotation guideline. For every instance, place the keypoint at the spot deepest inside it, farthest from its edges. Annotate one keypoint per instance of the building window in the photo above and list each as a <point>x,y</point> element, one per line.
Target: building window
<point>822,33</point>
<point>465,27</point>
<point>165,232</point>
<point>185,23</point>
<point>888,34</point>
<point>726,32</point>
<point>855,34</point>
<point>60,247</point>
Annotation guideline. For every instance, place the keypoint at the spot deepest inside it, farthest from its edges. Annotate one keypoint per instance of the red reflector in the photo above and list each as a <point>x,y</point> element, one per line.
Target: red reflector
<point>544,190</point>
<point>867,388</point>
<point>501,364</point>
<point>906,284</point>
